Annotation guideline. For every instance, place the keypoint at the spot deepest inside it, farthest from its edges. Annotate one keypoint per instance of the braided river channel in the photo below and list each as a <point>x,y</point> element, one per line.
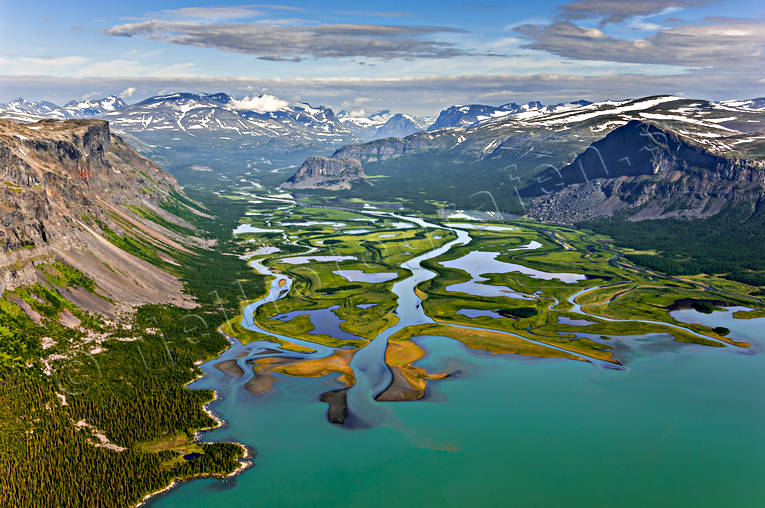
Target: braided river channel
<point>680,425</point>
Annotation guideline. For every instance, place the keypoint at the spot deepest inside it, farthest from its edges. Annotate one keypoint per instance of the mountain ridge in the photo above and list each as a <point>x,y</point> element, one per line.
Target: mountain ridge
<point>503,155</point>
<point>640,171</point>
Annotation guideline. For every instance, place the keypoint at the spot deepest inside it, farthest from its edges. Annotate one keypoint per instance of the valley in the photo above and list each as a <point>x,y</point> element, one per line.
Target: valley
<point>167,328</point>
<point>382,255</point>
<point>474,319</point>
<point>366,279</point>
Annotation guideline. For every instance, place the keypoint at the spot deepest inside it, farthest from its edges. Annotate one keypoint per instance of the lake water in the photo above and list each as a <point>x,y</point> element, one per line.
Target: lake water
<point>473,313</point>
<point>681,427</point>
<point>575,322</point>
<point>324,321</point>
<point>477,263</point>
<point>313,223</point>
<point>485,227</point>
<point>249,228</point>
<point>532,245</point>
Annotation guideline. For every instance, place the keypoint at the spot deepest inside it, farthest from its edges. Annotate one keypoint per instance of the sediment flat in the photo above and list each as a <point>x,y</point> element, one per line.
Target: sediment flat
<point>230,367</point>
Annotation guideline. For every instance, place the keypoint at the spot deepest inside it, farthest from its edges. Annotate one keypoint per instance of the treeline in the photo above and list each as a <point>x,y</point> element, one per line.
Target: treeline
<point>729,243</point>
<point>47,461</point>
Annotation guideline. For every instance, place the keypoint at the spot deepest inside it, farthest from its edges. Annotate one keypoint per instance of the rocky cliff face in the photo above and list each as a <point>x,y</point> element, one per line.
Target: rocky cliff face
<point>644,172</point>
<point>388,148</point>
<point>326,173</point>
<point>66,188</point>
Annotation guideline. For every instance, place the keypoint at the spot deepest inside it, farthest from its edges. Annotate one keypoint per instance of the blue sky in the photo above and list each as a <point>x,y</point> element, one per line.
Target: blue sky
<point>415,56</point>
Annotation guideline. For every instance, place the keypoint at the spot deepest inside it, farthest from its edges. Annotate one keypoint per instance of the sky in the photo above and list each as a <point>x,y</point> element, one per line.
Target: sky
<point>417,56</point>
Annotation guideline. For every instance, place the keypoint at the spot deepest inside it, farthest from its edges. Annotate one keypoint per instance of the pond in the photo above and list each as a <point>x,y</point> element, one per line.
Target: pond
<point>473,313</point>
<point>477,263</point>
<point>249,228</point>
<point>324,321</point>
<point>301,260</point>
<point>485,227</point>
<point>361,276</point>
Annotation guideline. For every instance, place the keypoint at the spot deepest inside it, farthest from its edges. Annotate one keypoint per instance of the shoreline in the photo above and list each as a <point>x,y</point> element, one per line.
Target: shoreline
<point>248,453</point>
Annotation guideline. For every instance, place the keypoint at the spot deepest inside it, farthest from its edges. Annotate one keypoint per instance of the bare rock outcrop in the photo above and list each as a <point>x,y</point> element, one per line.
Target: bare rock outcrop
<point>326,173</point>
<point>68,187</point>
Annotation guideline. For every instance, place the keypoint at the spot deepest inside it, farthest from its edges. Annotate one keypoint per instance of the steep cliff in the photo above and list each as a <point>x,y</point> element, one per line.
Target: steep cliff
<point>71,191</point>
<point>326,173</point>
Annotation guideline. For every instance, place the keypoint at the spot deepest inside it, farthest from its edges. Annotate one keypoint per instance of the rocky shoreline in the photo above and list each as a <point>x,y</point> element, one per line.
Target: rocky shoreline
<point>245,462</point>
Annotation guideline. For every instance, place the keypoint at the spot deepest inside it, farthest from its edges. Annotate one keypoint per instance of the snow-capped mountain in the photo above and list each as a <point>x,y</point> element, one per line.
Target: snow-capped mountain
<point>473,114</point>
<point>520,144</point>
<point>185,127</point>
<point>29,111</point>
<point>179,127</point>
<point>193,115</point>
<point>399,126</point>
<point>92,108</point>
<point>491,160</point>
<point>464,116</point>
<point>382,124</point>
<point>758,103</point>
<point>364,126</point>
<point>23,110</point>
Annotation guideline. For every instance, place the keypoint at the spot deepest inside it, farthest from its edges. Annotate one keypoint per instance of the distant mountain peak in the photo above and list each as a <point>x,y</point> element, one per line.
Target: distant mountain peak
<point>93,107</point>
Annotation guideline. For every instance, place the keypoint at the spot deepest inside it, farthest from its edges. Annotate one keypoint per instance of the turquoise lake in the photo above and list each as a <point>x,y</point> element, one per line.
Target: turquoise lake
<point>682,425</point>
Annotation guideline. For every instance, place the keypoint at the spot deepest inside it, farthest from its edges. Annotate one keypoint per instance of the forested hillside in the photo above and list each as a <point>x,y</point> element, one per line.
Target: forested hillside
<point>113,287</point>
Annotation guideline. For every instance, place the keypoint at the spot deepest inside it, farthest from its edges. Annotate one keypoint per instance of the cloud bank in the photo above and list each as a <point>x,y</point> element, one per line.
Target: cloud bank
<point>294,43</point>
<point>616,11</point>
<point>720,42</point>
<point>425,95</point>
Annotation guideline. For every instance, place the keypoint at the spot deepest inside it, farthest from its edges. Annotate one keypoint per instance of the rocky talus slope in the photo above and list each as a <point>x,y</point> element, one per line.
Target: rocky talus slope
<point>70,191</point>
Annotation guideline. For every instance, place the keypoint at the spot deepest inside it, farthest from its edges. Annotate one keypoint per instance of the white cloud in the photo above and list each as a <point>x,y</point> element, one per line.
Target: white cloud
<point>128,92</point>
<point>214,13</point>
<point>259,103</point>
<point>80,66</point>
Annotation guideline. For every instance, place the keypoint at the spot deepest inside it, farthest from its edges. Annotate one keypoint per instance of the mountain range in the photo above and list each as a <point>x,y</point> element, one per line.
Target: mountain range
<point>467,151</point>
<point>185,128</point>
<point>502,153</point>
